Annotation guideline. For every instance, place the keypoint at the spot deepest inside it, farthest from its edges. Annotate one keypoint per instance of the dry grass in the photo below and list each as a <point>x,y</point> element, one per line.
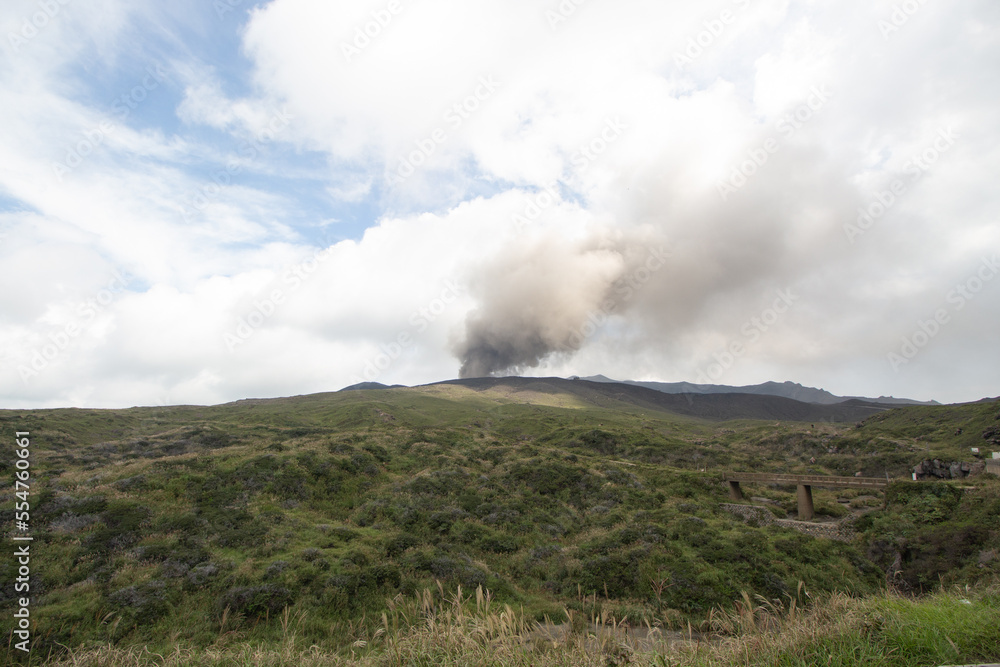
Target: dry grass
<point>434,628</point>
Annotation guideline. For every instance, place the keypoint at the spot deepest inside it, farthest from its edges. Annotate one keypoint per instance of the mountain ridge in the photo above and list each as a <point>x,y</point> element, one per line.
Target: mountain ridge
<point>786,389</point>
<point>717,406</point>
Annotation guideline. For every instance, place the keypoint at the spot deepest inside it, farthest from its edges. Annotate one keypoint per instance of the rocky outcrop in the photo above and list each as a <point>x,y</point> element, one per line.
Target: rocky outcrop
<point>841,530</point>
<point>760,516</point>
<point>938,469</point>
<point>750,513</point>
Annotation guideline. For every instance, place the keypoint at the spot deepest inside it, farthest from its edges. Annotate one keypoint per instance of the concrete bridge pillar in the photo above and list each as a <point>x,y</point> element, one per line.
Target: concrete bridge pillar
<point>735,493</point>
<point>805,502</point>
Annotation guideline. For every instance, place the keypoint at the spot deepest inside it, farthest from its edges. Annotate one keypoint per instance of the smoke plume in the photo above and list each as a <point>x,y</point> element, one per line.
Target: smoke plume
<point>547,296</point>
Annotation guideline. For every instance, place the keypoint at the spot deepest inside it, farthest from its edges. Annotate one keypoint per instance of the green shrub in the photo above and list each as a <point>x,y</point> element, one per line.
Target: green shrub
<point>395,546</point>
<point>142,604</point>
<point>601,442</point>
<point>255,601</point>
<point>547,477</point>
<point>119,529</point>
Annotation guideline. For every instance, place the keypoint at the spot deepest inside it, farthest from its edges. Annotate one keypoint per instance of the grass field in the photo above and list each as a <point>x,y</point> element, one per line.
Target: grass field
<point>332,525</point>
<point>953,627</point>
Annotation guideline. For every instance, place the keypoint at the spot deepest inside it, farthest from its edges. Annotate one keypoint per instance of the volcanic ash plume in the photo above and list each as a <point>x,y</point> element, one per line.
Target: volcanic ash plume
<point>542,298</point>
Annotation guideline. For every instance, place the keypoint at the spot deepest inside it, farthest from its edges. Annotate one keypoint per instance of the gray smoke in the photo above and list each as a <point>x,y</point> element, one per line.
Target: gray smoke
<point>545,296</point>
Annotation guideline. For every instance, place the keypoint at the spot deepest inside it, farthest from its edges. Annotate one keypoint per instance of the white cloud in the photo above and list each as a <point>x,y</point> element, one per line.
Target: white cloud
<point>144,198</point>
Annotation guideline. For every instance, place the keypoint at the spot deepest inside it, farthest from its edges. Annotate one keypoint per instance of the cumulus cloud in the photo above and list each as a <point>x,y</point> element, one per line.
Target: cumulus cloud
<point>533,156</point>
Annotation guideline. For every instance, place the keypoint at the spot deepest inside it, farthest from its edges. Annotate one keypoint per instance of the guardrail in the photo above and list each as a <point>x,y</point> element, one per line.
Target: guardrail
<point>809,480</point>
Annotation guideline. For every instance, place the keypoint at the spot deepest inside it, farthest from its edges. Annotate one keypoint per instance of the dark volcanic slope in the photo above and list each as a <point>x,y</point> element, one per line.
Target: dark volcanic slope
<point>705,406</point>
<point>791,390</point>
<point>366,385</point>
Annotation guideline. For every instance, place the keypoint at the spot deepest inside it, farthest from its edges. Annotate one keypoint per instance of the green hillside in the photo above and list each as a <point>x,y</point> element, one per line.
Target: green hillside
<point>192,526</point>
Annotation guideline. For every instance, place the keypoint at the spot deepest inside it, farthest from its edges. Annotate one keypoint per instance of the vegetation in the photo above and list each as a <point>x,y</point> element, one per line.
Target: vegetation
<point>350,524</point>
<point>948,627</point>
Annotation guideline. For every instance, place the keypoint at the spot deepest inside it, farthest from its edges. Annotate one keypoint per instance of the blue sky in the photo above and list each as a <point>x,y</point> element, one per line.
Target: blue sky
<point>200,205</point>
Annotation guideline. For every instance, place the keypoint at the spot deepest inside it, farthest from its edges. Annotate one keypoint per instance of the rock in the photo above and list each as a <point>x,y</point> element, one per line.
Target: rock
<point>895,569</point>
<point>938,469</point>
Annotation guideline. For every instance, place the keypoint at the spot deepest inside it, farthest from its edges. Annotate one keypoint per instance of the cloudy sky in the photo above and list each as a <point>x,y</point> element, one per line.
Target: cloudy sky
<point>207,200</point>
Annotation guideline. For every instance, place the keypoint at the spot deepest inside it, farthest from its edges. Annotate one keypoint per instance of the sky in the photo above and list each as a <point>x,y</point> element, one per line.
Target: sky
<point>209,200</point>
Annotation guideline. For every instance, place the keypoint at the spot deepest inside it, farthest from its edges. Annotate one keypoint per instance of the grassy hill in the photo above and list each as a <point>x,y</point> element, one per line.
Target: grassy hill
<point>705,406</point>
<point>208,526</point>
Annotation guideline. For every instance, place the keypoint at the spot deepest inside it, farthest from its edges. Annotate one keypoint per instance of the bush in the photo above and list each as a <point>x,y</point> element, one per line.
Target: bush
<point>547,477</point>
<point>439,483</point>
<point>343,533</point>
<point>122,521</point>
<point>188,523</point>
<point>617,574</point>
<point>600,441</point>
<point>243,536</point>
<point>395,546</point>
<point>212,438</point>
<point>136,483</point>
<point>201,575</point>
<point>72,523</point>
<point>442,521</point>
<point>940,551</point>
<point>926,502</point>
<point>350,589</point>
<point>142,604</point>
<point>275,569</point>
<point>379,452</point>
<point>255,601</point>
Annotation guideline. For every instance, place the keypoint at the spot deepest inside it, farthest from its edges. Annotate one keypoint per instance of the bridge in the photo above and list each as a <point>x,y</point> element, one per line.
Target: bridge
<point>804,484</point>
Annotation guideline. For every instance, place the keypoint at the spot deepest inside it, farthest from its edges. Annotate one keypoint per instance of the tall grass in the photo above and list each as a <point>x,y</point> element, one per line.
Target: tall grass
<point>458,629</point>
